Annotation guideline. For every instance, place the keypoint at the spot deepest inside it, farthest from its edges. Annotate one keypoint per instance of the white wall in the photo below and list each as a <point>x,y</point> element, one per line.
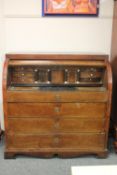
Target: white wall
<point>2,46</point>
<point>27,31</point>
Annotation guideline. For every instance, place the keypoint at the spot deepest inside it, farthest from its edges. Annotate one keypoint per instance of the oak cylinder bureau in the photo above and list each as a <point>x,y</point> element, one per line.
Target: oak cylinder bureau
<point>56,104</point>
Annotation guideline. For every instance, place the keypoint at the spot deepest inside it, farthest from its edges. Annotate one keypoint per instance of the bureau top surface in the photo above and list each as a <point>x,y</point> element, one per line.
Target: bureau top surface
<point>57,56</point>
<point>63,59</point>
<point>45,59</point>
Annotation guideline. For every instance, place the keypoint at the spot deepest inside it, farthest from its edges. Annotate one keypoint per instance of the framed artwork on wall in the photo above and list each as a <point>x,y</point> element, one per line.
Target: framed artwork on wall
<point>70,7</point>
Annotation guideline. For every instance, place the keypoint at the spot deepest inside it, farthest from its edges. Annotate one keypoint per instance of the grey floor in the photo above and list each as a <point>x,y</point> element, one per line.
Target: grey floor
<point>54,166</point>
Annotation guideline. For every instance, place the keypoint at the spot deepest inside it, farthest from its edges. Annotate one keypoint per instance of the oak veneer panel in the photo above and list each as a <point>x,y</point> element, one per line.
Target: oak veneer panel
<point>81,125</point>
<point>31,109</point>
<point>30,141</point>
<point>53,63</point>
<point>82,141</point>
<point>79,141</point>
<point>82,110</point>
<point>24,125</point>
<point>55,96</point>
<point>48,125</point>
<point>57,109</point>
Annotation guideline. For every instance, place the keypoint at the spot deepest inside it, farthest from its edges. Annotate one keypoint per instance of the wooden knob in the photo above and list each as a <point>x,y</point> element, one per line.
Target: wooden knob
<point>57,109</point>
<point>56,140</point>
<point>57,97</point>
<point>56,125</point>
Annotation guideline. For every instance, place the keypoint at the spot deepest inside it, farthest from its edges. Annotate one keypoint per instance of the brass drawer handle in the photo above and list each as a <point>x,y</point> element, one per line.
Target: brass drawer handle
<point>57,109</point>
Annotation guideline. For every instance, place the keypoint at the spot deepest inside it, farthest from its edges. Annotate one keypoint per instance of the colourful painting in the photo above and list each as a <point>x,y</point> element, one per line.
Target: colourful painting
<point>70,7</point>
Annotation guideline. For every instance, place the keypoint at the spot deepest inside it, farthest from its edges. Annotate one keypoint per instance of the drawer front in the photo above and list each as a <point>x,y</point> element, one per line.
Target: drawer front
<point>83,110</point>
<point>82,141</point>
<point>29,141</point>
<point>30,125</point>
<point>86,110</point>
<point>65,141</point>
<point>48,125</point>
<point>81,125</point>
<point>57,96</point>
<point>31,109</point>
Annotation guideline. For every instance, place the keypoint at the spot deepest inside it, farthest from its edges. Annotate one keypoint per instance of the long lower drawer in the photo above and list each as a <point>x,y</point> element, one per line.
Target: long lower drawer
<point>48,125</point>
<point>29,141</point>
<point>83,141</point>
<point>87,110</point>
<point>56,96</point>
<point>67,141</point>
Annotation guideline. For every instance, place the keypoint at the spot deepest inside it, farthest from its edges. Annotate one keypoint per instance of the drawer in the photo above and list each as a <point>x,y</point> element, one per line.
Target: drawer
<point>65,141</point>
<point>30,125</point>
<point>86,110</point>
<point>88,141</point>
<point>29,141</point>
<point>48,125</point>
<point>81,125</point>
<point>56,96</point>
